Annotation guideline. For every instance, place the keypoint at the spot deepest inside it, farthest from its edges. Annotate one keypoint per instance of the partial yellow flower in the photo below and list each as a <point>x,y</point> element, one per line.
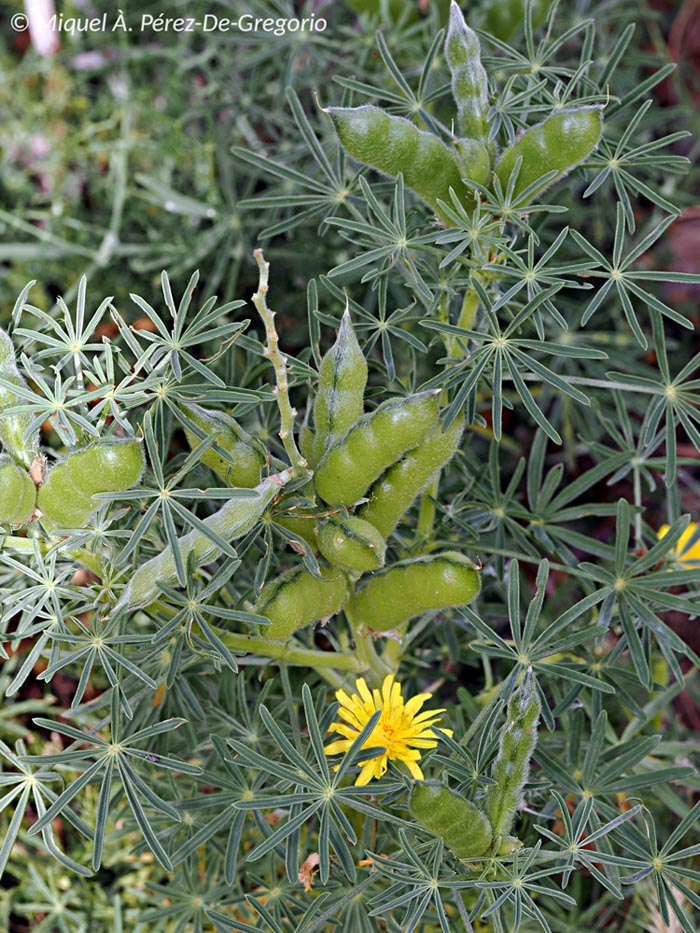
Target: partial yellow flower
<point>685,552</point>
<point>401,730</point>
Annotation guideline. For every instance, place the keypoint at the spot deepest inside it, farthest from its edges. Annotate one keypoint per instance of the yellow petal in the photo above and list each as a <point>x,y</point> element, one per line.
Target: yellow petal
<point>415,703</point>
<point>363,690</point>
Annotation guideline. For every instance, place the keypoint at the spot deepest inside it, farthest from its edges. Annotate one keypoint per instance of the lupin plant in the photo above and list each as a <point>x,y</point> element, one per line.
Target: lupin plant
<point>283,585</point>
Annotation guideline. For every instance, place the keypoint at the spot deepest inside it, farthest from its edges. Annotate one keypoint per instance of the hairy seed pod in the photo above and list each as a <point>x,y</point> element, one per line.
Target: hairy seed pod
<point>352,544</point>
<point>393,145</point>
<point>444,813</point>
<point>341,388</point>
<point>14,427</point>
<point>246,455</point>
<point>307,445</point>
<point>17,493</point>
<point>234,520</point>
<point>113,465</point>
<point>377,440</point>
<point>394,492</point>
<point>558,144</point>
<point>297,598</point>
<point>407,589</point>
<point>302,523</point>
<point>469,81</point>
<point>512,765</point>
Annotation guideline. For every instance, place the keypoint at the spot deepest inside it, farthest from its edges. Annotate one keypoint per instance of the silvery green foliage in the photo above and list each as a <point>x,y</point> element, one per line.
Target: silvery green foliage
<point>187,759</point>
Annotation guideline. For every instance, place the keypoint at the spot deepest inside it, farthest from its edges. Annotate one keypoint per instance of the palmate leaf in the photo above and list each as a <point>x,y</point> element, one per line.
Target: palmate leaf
<point>504,355</point>
<point>316,790</point>
<point>31,791</point>
<point>108,756</point>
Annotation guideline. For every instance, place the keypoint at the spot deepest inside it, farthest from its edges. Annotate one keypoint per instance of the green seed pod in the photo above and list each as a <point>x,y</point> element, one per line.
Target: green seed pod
<point>559,143</point>
<point>510,770</point>
<point>411,587</point>
<point>17,493</point>
<point>501,18</point>
<point>352,544</point>
<point>234,520</point>
<point>14,427</point>
<point>393,145</point>
<point>65,498</point>
<point>246,453</point>
<point>307,445</point>
<point>301,523</point>
<point>393,493</point>
<point>107,466</point>
<point>469,82</point>
<point>297,598</point>
<point>60,502</point>
<point>377,440</point>
<point>444,813</point>
<point>341,388</point>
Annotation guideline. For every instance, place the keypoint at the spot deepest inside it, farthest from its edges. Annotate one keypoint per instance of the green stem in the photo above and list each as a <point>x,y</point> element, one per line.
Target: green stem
<point>470,305</point>
<point>364,648</point>
<point>79,555</point>
<point>291,654</point>
<point>393,650</point>
<point>272,353</point>
<point>637,480</point>
<point>426,516</point>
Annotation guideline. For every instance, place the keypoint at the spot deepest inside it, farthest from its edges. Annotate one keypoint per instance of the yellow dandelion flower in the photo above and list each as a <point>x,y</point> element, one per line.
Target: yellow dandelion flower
<point>685,552</point>
<point>402,731</point>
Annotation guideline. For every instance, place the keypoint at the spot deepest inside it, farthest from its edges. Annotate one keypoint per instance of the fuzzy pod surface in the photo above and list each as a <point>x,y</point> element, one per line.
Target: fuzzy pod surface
<point>301,523</point>
<point>392,494</point>
<point>14,427</point>
<point>512,765</point>
<point>233,520</point>
<point>113,465</point>
<point>558,144</point>
<point>246,455</point>
<point>352,544</point>
<point>377,440</point>
<point>17,492</point>
<point>297,598</point>
<point>469,81</point>
<point>394,145</point>
<point>341,388</point>
<point>445,813</point>
<point>407,589</point>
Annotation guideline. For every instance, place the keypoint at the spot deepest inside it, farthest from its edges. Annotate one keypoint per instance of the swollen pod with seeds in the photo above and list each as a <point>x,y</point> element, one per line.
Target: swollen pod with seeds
<point>377,440</point>
<point>558,144</point>
<point>394,146</point>
<point>17,492</point>
<point>392,494</point>
<point>65,498</point>
<point>393,596</point>
<point>246,456</point>
<point>341,389</point>
<point>445,813</point>
<point>352,544</point>
<point>297,598</point>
